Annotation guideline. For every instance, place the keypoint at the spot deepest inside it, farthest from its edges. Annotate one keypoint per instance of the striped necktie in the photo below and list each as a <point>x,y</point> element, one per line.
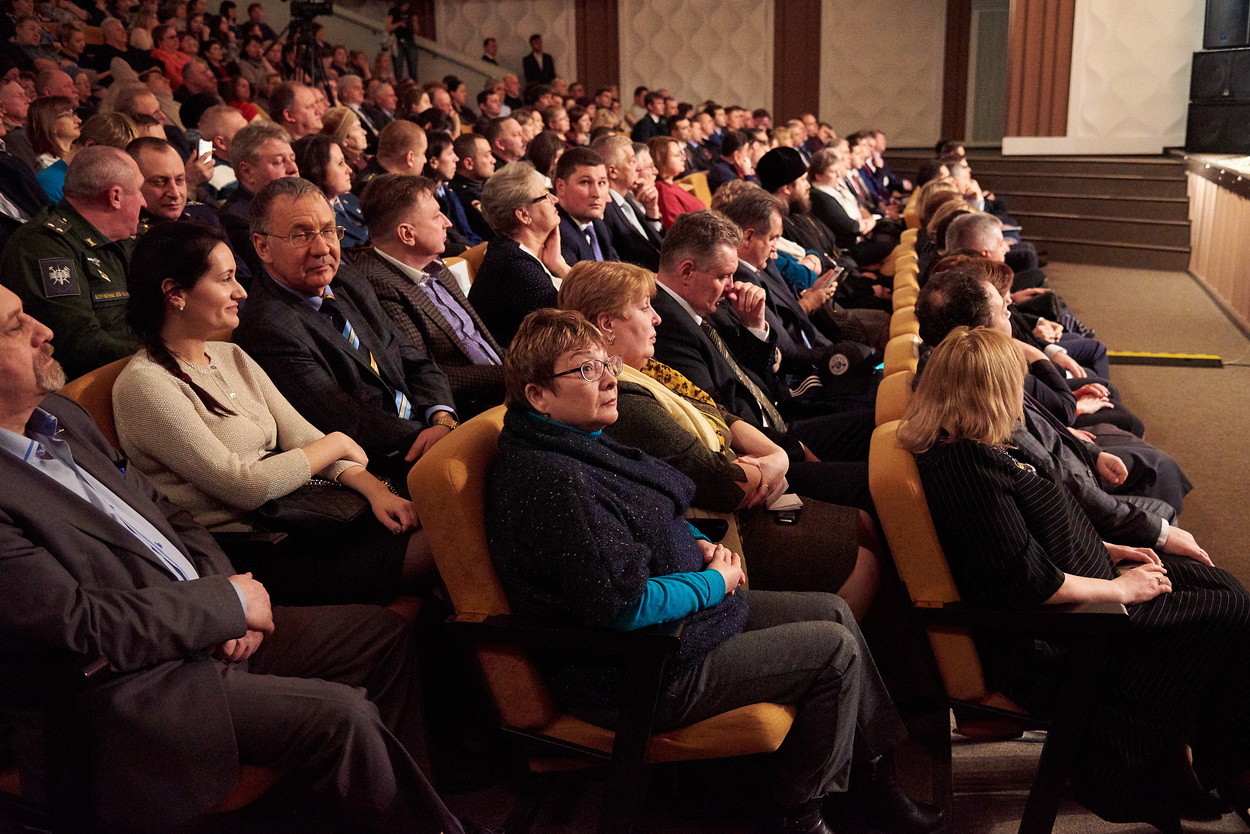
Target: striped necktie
<point>766,405</point>
<point>330,306</point>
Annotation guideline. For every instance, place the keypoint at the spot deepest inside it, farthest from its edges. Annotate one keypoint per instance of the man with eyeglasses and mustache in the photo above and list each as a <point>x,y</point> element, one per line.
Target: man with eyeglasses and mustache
<point>319,332</point>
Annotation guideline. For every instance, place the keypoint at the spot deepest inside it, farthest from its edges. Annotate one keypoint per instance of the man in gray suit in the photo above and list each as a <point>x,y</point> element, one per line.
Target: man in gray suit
<point>199,673</point>
<point>421,295</point>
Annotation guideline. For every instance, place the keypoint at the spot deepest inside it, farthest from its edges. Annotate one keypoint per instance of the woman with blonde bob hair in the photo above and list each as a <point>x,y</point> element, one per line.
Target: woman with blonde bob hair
<point>735,468</point>
<point>1174,684</point>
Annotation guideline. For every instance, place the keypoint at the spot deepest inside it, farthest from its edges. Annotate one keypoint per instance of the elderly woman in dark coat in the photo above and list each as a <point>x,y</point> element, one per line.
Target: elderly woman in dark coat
<point>584,528</point>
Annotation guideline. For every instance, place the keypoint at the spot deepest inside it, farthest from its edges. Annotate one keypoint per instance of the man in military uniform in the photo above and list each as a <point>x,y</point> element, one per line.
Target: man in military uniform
<point>165,191</point>
<point>68,264</point>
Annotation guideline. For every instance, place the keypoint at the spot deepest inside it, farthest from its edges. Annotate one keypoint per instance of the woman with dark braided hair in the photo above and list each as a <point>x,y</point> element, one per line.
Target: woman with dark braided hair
<point>202,419</point>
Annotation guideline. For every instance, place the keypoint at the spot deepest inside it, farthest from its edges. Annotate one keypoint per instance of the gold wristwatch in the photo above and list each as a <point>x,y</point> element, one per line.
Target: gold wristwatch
<point>444,418</point>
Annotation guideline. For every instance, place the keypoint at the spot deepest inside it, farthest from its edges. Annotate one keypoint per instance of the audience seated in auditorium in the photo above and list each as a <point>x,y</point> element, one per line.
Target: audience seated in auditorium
<point>421,295</point>
<point>735,468</point>
<point>146,589</point>
<point>634,225</point>
<point>68,265</point>
<point>199,416</point>
<point>316,328</point>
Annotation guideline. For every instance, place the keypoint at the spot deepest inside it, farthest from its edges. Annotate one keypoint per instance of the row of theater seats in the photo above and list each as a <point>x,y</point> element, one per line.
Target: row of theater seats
<point>899,498</point>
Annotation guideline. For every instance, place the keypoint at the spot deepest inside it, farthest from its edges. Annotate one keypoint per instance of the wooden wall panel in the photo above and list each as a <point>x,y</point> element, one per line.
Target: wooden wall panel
<point>597,23</point>
<point>796,58</point>
<point>955,70</point>
<point>1040,70</point>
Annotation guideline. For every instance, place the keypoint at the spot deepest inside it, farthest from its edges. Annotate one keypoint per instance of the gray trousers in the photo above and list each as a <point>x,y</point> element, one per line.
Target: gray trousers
<point>803,649</point>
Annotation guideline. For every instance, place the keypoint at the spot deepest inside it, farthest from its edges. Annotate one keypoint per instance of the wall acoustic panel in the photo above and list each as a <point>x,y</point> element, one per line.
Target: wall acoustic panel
<point>463,24</point>
<point>883,68</point>
<point>1131,71</point>
<point>699,49</point>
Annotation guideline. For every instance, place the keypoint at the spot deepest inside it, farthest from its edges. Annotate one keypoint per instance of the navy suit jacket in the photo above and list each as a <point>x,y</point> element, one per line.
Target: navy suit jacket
<point>451,206</point>
<point>575,247</point>
<point>629,244</point>
<point>347,214</point>
<point>647,128</point>
<point>327,380</point>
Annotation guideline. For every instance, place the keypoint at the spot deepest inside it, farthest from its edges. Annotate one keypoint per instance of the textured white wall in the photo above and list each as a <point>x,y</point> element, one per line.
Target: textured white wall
<point>463,24</point>
<point>699,49</point>
<point>1130,78</point>
<point>881,67</point>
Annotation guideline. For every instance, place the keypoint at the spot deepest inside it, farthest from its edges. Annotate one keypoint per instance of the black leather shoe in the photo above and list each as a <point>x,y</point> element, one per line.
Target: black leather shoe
<point>891,810</point>
<point>809,820</point>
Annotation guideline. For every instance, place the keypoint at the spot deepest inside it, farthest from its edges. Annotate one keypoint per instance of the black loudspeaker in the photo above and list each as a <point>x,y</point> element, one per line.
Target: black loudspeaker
<point>1210,77</point>
<point>1228,24</point>
<point>1219,127</point>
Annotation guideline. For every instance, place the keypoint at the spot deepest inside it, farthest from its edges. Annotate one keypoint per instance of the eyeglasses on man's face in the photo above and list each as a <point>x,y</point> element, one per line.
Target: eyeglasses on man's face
<point>592,369</point>
<point>302,240</point>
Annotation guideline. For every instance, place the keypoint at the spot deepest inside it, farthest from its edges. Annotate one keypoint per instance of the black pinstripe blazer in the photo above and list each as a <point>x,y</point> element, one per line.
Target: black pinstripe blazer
<point>476,387</point>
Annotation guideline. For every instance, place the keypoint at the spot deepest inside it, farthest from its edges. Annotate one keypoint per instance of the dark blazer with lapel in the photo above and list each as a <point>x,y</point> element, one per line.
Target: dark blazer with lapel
<point>77,586</point>
<point>533,72</point>
<point>476,387</point>
<point>18,184</point>
<point>829,211</point>
<point>509,285</point>
<point>575,247</point>
<point>629,244</point>
<point>682,345</point>
<point>720,173</point>
<point>788,319</point>
<point>469,193</point>
<point>327,380</point>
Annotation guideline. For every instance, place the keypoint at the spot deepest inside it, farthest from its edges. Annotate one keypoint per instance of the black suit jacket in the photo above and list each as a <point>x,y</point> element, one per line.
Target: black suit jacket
<point>330,382</point>
<point>682,345</point>
<point>533,73</point>
<point>509,285</point>
<point>788,319</point>
<point>476,387</point>
<point>829,211</point>
<point>574,245</point>
<point>629,244</point>
<point>720,173</point>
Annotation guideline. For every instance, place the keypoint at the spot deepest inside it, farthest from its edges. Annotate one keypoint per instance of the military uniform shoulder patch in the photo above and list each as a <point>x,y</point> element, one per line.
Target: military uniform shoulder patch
<point>59,277</point>
<point>58,224</point>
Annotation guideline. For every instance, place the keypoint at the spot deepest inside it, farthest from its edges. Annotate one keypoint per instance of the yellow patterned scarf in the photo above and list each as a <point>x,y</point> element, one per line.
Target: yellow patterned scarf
<point>687,403</point>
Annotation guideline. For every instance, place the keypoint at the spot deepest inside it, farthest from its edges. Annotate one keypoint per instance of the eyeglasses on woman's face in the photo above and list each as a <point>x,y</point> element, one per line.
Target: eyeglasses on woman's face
<point>546,195</point>
<point>592,369</point>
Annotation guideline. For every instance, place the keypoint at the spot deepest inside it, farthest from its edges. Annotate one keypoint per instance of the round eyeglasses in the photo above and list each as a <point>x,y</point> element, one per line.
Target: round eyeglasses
<point>592,369</point>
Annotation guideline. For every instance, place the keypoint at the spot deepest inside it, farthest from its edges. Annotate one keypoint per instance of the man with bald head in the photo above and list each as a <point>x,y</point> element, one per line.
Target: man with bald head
<point>218,125</point>
<point>197,78</point>
<point>68,264</point>
<point>55,82</point>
